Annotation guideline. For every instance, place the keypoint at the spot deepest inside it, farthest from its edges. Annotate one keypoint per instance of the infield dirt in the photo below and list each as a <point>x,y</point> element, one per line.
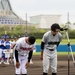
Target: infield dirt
<point>36,67</point>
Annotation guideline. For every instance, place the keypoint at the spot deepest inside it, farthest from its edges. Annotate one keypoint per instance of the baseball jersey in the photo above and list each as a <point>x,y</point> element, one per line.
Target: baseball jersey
<point>22,47</point>
<point>50,40</point>
<point>7,44</point>
<point>2,44</point>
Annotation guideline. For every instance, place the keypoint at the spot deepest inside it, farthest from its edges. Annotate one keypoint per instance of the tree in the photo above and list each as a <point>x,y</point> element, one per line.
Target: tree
<point>73,23</point>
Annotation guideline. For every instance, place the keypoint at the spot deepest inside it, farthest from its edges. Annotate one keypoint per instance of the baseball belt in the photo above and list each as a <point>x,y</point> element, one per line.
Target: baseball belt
<point>50,49</point>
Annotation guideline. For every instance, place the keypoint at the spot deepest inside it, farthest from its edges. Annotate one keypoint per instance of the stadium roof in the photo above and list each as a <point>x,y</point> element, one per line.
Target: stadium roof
<point>7,15</point>
<point>5,5</point>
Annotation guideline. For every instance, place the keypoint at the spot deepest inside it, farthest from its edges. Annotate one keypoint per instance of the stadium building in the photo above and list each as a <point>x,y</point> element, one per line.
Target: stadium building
<point>7,16</point>
<point>45,21</point>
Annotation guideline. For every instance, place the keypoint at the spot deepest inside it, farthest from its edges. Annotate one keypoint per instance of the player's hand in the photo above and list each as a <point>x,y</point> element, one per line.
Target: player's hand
<point>27,64</point>
<point>41,57</point>
<point>17,64</point>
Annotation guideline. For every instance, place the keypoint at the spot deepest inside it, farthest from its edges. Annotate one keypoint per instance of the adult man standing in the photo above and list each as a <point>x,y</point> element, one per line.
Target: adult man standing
<point>23,52</point>
<point>50,41</point>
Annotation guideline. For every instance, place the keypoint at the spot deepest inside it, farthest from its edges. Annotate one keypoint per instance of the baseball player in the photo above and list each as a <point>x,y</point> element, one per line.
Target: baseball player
<point>2,47</point>
<point>23,52</point>
<point>0,53</point>
<point>50,41</point>
<point>7,51</point>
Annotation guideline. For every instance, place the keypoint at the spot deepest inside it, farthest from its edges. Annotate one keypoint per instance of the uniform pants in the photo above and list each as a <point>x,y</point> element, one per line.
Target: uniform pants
<point>7,53</point>
<point>0,53</point>
<point>22,69</point>
<point>49,58</point>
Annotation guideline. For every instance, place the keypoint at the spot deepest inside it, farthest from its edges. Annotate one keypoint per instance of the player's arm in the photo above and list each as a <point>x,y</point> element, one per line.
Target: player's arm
<point>44,39</point>
<point>42,48</point>
<point>17,60</point>
<point>16,56</point>
<point>17,47</point>
<point>30,55</point>
<point>58,44</point>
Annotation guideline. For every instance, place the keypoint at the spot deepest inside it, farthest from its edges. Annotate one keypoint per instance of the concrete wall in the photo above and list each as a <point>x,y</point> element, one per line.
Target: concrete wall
<point>61,48</point>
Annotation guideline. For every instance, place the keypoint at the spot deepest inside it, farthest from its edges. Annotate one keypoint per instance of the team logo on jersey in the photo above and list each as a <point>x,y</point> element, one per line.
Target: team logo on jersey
<point>28,49</point>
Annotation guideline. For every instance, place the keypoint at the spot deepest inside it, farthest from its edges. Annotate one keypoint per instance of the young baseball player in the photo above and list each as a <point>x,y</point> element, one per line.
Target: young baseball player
<point>23,52</point>
<point>50,41</point>
<point>7,51</point>
<point>2,48</point>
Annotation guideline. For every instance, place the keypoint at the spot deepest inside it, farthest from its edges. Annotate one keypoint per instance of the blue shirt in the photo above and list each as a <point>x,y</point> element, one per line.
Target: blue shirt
<point>2,44</point>
<point>7,44</point>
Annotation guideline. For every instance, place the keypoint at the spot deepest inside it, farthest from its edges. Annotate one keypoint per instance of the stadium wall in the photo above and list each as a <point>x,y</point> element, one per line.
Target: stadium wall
<point>60,48</point>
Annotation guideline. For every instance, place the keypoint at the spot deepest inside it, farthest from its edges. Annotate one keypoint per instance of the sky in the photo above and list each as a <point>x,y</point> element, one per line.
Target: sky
<point>37,7</point>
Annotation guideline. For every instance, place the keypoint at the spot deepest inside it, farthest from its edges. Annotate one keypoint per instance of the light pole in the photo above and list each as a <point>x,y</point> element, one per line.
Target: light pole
<point>26,34</point>
<point>11,29</point>
<point>68,45</point>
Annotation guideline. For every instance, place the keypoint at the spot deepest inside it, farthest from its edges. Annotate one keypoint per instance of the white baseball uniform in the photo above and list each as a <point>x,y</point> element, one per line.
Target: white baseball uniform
<point>50,57</point>
<point>23,49</point>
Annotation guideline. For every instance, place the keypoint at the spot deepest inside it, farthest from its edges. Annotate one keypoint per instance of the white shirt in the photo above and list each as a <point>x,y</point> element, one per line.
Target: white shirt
<point>22,47</point>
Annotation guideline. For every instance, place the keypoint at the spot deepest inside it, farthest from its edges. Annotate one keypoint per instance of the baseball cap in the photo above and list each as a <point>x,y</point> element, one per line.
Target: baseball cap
<point>7,36</point>
<point>2,37</point>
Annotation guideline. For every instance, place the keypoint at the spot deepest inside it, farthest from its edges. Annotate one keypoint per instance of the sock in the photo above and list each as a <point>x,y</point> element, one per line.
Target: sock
<point>45,73</point>
<point>54,73</point>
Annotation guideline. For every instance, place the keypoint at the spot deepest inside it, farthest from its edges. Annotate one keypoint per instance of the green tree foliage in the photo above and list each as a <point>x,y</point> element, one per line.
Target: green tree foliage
<point>20,30</point>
